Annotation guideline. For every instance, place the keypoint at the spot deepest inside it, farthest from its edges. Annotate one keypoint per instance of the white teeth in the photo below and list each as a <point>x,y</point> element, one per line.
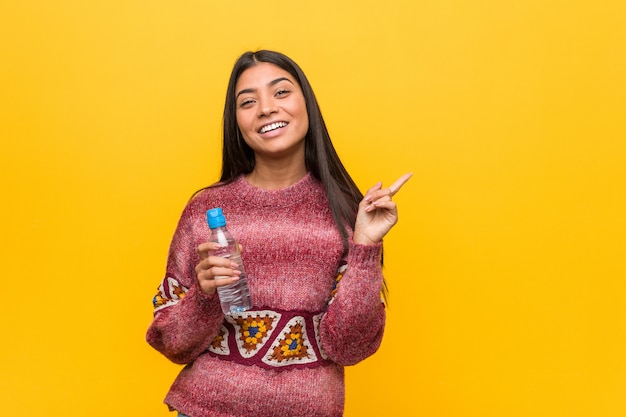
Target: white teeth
<point>272,126</point>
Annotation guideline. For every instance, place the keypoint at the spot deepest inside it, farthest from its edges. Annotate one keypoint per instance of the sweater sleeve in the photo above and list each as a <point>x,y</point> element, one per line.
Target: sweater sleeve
<point>186,320</point>
<point>352,328</point>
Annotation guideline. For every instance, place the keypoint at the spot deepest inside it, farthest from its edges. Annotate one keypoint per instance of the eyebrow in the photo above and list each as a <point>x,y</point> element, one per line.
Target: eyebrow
<point>271,83</point>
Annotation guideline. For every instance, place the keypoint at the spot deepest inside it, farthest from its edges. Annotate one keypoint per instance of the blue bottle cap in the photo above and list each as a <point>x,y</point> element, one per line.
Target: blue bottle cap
<point>215,218</point>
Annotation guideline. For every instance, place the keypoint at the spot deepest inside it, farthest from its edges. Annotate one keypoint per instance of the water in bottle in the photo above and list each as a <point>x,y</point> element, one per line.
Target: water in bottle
<point>235,297</point>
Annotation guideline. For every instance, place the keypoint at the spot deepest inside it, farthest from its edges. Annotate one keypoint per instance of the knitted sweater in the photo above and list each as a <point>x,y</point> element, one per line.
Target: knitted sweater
<point>291,252</point>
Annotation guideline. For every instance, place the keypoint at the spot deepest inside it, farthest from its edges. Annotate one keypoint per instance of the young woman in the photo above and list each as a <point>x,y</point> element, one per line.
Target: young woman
<point>312,253</point>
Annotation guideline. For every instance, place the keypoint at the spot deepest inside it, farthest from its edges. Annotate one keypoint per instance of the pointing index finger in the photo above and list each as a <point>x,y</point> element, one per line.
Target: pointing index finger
<point>395,187</point>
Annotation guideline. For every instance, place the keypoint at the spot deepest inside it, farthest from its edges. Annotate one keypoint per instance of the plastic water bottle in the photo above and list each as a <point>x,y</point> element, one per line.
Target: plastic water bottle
<point>234,297</point>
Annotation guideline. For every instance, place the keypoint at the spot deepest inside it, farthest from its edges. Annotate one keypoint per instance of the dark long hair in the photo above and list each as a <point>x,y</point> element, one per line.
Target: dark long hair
<point>321,159</point>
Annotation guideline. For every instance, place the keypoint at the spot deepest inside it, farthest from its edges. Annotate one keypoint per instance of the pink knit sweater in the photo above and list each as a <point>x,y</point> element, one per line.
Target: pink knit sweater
<point>292,252</point>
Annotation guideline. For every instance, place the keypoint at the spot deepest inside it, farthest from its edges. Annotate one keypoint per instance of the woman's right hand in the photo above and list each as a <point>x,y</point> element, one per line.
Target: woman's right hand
<point>211,267</point>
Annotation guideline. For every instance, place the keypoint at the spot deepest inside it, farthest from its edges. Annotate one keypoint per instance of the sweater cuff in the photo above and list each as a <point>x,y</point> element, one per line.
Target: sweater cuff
<point>206,302</point>
<point>366,255</point>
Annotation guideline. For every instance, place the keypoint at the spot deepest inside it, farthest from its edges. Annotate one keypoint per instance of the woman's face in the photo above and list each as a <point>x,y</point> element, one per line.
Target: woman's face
<point>271,112</point>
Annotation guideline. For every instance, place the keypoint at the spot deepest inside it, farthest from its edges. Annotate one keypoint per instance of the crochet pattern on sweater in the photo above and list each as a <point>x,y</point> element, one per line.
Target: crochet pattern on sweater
<point>271,339</point>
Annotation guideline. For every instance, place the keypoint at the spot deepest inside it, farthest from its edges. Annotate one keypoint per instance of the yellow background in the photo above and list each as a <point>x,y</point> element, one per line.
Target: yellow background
<point>507,267</point>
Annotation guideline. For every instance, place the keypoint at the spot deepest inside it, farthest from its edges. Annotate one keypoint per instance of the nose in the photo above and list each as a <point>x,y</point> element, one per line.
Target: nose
<point>267,107</point>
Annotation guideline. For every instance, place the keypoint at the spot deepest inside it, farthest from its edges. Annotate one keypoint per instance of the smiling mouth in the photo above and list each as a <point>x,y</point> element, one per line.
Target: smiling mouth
<point>272,126</point>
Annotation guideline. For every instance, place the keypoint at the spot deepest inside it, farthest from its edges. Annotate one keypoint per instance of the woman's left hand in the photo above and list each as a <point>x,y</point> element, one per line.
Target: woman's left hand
<point>377,212</point>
